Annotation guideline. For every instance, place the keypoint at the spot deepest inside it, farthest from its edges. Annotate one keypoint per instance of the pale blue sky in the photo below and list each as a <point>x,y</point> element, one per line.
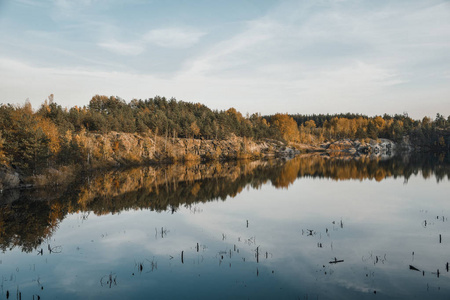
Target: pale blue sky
<point>319,56</point>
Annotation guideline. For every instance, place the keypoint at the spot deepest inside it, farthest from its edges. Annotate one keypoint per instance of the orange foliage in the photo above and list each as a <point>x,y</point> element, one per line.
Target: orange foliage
<point>233,112</point>
<point>51,132</point>
<point>287,126</point>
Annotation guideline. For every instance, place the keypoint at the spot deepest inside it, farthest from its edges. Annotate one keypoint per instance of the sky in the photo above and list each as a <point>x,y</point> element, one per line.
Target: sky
<point>258,56</point>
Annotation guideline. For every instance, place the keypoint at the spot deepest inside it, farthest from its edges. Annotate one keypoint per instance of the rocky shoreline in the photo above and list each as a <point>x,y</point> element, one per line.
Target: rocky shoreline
<point>380,147</point>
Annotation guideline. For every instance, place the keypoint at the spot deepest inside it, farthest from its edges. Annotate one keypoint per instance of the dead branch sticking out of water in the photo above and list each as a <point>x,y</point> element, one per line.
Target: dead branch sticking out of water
<point>110,280</point>
<point>153,265</point>
<point>411,267</point>
<point>336,261</point>
<point>56,249</point>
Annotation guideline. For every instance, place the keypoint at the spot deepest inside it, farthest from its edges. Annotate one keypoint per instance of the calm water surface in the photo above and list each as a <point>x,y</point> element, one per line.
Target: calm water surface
<point>309,228</point>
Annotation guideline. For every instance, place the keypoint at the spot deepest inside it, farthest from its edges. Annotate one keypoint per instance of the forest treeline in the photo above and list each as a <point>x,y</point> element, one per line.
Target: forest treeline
<point>35,139</point>
<point>427,133</point>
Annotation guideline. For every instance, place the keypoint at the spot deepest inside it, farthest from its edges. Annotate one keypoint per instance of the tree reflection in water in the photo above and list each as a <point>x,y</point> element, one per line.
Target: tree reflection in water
<point>28,218</point>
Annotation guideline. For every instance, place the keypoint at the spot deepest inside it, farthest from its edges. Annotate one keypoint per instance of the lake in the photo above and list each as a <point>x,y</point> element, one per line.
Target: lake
<point>314,227</point>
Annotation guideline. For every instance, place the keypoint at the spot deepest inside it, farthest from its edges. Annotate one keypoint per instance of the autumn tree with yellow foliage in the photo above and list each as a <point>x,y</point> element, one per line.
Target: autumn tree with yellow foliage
<point>287,126</point>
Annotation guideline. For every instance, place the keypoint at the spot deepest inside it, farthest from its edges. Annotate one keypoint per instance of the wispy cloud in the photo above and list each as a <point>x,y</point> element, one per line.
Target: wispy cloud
<point>71,4</point>
<point>30,3</point>
<point>239,50</point>
<point>336,56</point>
<point>333,35</point>
<point>122,48</point>
<point>173,37</point>
<point>176,38</point>
<point>299,56</point>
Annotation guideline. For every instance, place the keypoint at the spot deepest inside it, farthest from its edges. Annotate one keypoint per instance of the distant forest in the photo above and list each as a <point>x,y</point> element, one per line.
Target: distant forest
<point>28,136</point>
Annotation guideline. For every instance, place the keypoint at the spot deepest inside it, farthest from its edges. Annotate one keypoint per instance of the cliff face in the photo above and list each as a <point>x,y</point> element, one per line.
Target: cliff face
<point>123,149</point>
<point>87,151</point>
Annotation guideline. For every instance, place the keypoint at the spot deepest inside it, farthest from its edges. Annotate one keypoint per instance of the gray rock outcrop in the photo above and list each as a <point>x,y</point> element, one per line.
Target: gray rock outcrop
<point>380,147</point>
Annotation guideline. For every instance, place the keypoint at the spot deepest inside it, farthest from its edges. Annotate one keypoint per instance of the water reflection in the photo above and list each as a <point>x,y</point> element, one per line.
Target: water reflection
<point>167,232</point>
<point>27,218</point>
